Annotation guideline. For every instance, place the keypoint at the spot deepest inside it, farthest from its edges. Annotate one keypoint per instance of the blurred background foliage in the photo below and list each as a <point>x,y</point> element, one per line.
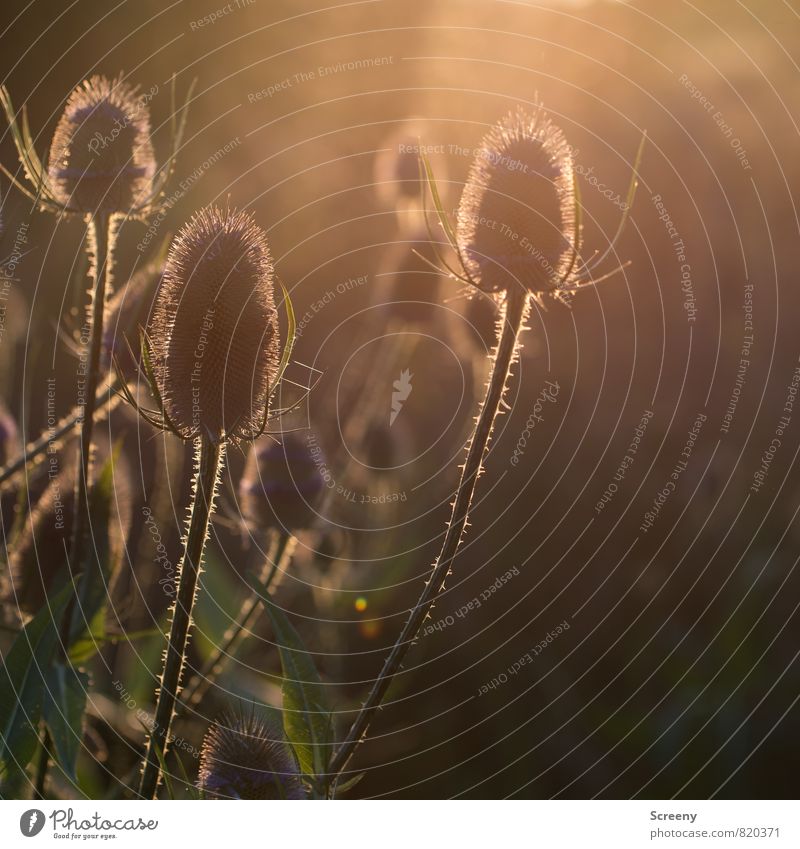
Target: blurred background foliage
<point>679,673</point>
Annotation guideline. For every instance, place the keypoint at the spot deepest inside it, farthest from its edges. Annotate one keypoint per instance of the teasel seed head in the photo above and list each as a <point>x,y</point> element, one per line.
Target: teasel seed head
<point>517,216</point>
<point>282,482</point>
<point>214,330</point>
<point>396,170</point>
<point>101,158</point>
<point>245,757</point>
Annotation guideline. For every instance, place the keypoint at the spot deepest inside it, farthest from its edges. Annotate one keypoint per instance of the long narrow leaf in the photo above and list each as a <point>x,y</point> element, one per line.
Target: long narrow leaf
<point>22,683</point>
<point>64,706</point>
<point>438,206</point>
<point>306,717</point>
<point>291,327</point>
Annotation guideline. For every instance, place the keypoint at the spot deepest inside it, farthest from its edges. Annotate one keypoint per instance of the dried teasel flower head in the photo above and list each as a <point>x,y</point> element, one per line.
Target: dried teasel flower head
<point>399,177</point>
<point>282,481</point>
<point>214,330</point>
<point>101,158</point>
<point>517,216</point>
<point>396,171</point>
<point>245,757</point>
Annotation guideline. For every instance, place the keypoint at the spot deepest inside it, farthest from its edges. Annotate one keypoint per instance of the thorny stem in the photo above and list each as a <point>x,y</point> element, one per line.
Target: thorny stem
<point>277,562</point>
<point>516,306</point>
<point>102,236</point>
<point>209,463</point>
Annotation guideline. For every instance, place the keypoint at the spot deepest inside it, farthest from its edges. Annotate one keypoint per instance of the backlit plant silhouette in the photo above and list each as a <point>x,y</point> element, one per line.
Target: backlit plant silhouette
<point>101,167</point>
<point>214,321</point>
<point>211,356</point>
<point>518,237</point>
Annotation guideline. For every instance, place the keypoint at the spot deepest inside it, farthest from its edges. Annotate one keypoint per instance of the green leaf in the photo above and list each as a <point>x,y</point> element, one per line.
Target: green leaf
<point>634,183</point>
<point>306,717</point>
<point>22,684</point>
<point>166,777</point>
<point>291,327</point>
<point>438,205</point>
<point>343,786</point>
<point>191,789</point>
<point>64,705</point>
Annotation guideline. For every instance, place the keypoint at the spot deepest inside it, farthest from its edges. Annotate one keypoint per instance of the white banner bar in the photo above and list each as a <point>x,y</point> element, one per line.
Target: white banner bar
<point>386,824</point>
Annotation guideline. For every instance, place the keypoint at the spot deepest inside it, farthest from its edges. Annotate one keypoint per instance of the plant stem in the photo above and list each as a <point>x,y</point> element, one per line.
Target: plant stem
<point>41,768</point>
<point>277,563</point>
<point>210,458</point>
<point>102,236</point>
<point>516,306</point>
<point>105,400</point>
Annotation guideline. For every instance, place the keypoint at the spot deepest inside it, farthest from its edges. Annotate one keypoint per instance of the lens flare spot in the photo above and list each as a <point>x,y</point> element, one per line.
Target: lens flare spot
<point>361,604</point>
<point>369,630</point>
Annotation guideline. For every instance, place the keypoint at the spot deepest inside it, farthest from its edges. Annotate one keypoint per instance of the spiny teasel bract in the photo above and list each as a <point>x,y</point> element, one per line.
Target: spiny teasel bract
<point>214,330</point>
<point>517,216</point>
<point>101,157</point>
<point>244,757</point>
<point>281,483</point>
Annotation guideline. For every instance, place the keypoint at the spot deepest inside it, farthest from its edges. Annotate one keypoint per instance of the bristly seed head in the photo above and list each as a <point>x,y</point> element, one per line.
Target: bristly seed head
<point>397,167</point>
<point>215,327</point>
<point>517,216</point>
<point>244,757</point>
<point>101,157</point>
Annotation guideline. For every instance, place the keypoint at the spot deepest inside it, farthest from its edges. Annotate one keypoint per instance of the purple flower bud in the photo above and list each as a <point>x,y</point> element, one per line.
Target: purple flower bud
<point>282,482</point>
<point>244,757</point>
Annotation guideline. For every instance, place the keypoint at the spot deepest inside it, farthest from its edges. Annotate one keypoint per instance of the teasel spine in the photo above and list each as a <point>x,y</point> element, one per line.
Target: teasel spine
<point>517,302</point>
<point>210,459</point>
